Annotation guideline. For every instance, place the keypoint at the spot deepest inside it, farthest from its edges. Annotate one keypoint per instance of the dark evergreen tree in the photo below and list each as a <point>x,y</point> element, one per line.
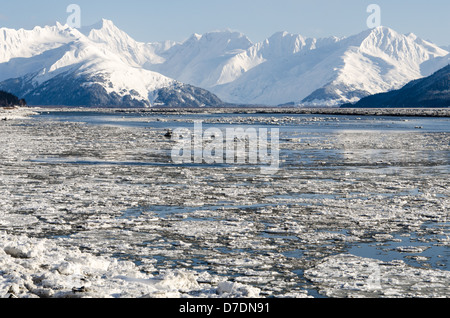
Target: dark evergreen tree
<point>10,100</point>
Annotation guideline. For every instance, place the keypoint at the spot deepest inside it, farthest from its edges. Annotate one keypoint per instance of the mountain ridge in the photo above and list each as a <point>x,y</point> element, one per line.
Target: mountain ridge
<point>102,67</point>
<point>289,68</point>
<point>284,68</point>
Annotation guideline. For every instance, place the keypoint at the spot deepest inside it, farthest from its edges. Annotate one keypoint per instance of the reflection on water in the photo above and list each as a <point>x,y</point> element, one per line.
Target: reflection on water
<point>415,250</point>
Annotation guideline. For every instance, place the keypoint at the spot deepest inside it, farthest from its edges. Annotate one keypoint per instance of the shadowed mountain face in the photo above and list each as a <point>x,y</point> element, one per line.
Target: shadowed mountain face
<point>432,91</point>
<point>72,89</point>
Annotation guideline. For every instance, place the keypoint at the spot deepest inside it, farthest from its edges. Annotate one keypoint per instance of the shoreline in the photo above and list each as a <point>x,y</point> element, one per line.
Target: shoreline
<point>407,112</point>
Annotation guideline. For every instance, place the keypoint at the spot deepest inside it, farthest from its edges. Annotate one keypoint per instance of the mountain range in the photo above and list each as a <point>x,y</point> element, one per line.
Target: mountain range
<point>101,65</point>
<point>95,66</point>
<point>289,68</point>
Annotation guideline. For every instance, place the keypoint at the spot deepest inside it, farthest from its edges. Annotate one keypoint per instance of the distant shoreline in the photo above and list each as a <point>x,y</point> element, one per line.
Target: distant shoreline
<point>407,112</point>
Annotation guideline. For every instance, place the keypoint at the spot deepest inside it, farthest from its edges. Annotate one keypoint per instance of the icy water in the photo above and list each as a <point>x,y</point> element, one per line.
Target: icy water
<point>372,187</point>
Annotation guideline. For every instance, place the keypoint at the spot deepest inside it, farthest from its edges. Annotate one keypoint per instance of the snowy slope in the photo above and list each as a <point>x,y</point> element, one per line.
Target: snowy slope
<point>278,47</point>
<point>222,57</point>
<point>41,44</point>
<point>429,67</point>
<point>27,43</point>
<point>291,68</point>
<point>108,66</point>
<point>106,34</point>
<point>376,61</point>
<point>201,59</point>
<point>87,66</point>
<point>340,70</point>
<point>275,76</point>
<point>99,66</point>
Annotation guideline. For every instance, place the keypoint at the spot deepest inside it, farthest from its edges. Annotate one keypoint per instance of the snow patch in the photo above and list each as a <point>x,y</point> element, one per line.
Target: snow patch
<point>41,268</point>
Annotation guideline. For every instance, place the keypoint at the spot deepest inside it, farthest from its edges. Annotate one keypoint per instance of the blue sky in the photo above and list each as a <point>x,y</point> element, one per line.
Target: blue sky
<point>157,20</point>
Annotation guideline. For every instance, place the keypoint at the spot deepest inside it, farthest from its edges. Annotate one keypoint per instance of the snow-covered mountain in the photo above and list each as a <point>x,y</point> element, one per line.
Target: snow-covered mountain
<point>290,68</point>
<point>202,59</point>
<point>223,63</point>
<point>377,61</point>
<point>96,66</point>
<point>101,64</point>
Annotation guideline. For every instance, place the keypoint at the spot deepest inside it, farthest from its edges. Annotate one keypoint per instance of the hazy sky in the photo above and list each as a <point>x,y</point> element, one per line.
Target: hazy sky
<point>157,20</point>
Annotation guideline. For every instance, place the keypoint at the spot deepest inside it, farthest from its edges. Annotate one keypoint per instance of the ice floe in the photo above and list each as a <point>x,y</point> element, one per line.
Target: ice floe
<point>72,191</point>
<point>346,275</point>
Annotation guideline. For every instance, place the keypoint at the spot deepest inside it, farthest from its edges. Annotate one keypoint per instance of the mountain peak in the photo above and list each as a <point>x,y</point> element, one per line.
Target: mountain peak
<point>285,36</point>
<point>280,34</point>
<point>219,35</point>
<point>61,26</point>
<point>195,37</point>
<point>216,41</point>
<point>379,33</point>
<point>383,29</point>
<point>398,46</point>
<point>107,23</point>
<point>103,24</point>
